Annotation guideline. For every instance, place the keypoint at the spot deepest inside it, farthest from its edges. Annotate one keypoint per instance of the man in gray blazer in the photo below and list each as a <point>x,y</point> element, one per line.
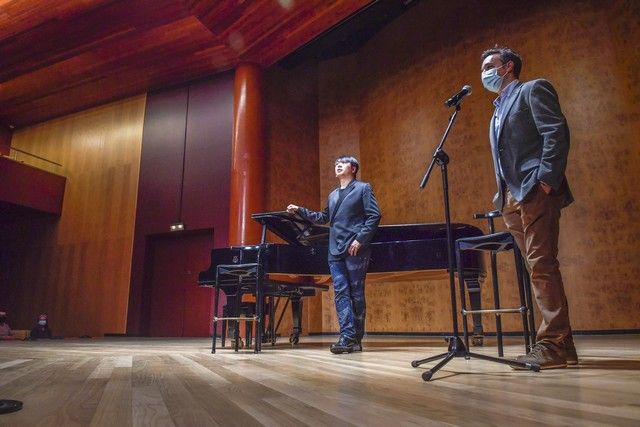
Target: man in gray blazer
<point>353,214</point>
<point>530,143</point>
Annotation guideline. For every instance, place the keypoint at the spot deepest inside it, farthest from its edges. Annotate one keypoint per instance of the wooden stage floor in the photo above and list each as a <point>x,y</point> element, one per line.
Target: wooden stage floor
<point>158,382</point>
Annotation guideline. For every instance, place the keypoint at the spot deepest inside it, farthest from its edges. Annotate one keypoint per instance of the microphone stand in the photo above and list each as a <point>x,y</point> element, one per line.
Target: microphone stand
<point>7,406</point>
<point>456,345</point>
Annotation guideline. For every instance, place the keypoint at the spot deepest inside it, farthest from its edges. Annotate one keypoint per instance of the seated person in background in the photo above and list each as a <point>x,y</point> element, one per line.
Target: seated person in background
<point>5,331</point>
<point>41,330</point>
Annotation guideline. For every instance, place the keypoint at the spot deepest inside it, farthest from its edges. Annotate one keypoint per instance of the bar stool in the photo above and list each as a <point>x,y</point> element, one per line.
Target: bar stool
<point>489,216</point>
<point>498,242</point>
<point>236,279</point>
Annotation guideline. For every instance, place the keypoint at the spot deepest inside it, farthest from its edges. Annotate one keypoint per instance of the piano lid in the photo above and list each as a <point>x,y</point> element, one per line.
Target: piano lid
<point>298,231</point>
<point>428,231</point>
<point>293,228</point>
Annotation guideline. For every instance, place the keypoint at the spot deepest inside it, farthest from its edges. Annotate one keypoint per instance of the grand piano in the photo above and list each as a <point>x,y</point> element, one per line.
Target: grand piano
<point>298,267</point>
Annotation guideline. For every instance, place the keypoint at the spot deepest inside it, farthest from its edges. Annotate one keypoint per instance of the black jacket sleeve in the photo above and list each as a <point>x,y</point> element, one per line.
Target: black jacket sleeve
<point>372,215</point>
<point>321,217</point>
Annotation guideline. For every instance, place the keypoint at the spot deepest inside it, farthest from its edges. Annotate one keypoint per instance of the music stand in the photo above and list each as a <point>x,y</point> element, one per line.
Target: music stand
<point>456,345</point>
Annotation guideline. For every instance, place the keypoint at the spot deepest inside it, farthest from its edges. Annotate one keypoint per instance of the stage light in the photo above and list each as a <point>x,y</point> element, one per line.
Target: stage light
<point>178,226</point>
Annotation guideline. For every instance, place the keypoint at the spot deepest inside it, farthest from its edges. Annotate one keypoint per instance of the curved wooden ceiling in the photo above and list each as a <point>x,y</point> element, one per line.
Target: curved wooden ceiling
<point>62,56</point>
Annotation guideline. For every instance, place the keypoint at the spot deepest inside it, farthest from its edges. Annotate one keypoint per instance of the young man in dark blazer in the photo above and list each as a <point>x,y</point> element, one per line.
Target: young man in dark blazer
<point>353,214</point>
<point>530,144</point>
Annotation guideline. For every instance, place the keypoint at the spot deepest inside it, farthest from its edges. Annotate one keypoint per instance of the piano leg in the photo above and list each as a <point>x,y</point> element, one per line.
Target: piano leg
<point>228,327</point>
<point>231,328</point>
<point>473,288</point>
<point>296,312</point>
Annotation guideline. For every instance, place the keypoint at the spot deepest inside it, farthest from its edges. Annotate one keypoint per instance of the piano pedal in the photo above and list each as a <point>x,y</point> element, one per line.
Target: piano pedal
<point>477,340</point>
<point>233,343</point>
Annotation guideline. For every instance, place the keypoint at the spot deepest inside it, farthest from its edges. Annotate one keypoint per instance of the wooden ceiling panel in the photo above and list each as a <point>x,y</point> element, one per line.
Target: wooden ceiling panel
<point>112,87</point>
<point>18,16</point>
<point>62,56</point>
<point>177,38</point>
<point>60,39</point>
<point>294,33</point>
<point>219,15</point>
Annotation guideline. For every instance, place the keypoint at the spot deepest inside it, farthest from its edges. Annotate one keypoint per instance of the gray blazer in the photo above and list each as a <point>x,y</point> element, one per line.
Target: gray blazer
<point>533,142</point>
<point>357,218</point>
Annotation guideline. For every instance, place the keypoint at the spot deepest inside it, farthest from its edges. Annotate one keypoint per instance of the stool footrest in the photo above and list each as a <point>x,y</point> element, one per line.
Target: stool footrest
<point>246,318</point>
<point>497,311</point>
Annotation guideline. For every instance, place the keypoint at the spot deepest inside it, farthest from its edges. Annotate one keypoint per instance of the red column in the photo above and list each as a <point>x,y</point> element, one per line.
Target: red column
<point>248,163</point>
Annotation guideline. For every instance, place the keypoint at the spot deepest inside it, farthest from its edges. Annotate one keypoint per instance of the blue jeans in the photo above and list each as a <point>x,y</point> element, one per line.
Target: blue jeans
<point>348,276</point>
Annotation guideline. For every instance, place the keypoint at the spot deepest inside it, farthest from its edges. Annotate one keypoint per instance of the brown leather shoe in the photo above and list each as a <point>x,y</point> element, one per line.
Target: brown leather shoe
<point>545,356</point>
<point>570,349</point>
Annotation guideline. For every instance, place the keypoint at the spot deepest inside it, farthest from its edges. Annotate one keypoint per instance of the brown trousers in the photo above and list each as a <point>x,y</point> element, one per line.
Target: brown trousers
<point>534,224</point>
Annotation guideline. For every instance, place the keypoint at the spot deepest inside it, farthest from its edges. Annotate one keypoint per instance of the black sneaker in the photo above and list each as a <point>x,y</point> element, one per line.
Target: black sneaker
<point>344,345</point>
<point>357,346</point>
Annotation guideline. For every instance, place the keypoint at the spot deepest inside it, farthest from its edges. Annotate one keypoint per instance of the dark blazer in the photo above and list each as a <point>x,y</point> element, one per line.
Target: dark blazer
<point>357,218</point>
<point>533,142</point>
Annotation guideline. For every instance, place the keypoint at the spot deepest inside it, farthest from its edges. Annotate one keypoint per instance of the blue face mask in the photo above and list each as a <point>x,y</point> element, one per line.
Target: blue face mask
<point>491,80</point>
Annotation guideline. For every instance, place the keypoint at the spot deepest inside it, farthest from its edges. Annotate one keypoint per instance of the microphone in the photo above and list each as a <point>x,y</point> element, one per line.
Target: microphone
<point>457,98</point>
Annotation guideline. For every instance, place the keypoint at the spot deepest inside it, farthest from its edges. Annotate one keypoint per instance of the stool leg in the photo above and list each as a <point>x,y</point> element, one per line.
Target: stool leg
<point>527,288</point>
<point>272,316</point>
<point>223,336</point>
<point>216,297</point>
<point>496,302</point>
<point>236,332</point>
<point>496,291</point>
<point>523,302</point>
<point>463,303</point>
<point>248,327</point>
<point>475,302</point>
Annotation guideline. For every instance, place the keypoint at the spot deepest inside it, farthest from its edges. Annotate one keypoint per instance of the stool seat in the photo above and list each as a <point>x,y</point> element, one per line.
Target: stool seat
<point>497,242</point>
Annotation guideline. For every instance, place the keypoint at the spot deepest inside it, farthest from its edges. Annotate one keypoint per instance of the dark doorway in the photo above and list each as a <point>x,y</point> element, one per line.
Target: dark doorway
<point>178,307</point>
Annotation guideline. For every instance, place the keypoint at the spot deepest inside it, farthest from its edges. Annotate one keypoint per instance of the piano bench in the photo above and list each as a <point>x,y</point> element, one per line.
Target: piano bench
<point>493,243</point>
<point>237,279</point>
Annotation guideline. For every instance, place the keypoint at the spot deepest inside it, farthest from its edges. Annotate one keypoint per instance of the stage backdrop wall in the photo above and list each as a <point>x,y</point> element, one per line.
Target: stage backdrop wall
<point>184,176</point>
<point>385,103</point>
<point>291,130</point>
<point>76,268</point>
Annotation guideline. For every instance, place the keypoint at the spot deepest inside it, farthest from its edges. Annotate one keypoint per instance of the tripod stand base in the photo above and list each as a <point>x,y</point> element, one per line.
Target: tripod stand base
<point>457,349</point>
<point>7,406</point>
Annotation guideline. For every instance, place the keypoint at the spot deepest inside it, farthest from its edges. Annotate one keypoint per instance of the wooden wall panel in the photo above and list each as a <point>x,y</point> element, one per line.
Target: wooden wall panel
<point>76,268</point>
<point>291,128</point>
<point>291,131</point>
<point>205,201</point>
<point>193,123</point>
<point>387,103</point>
<point>339,134</point>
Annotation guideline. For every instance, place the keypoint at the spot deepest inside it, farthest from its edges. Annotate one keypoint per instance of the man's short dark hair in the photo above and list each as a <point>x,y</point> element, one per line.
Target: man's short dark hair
<point>506,55</point>
<point>349,159</point>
